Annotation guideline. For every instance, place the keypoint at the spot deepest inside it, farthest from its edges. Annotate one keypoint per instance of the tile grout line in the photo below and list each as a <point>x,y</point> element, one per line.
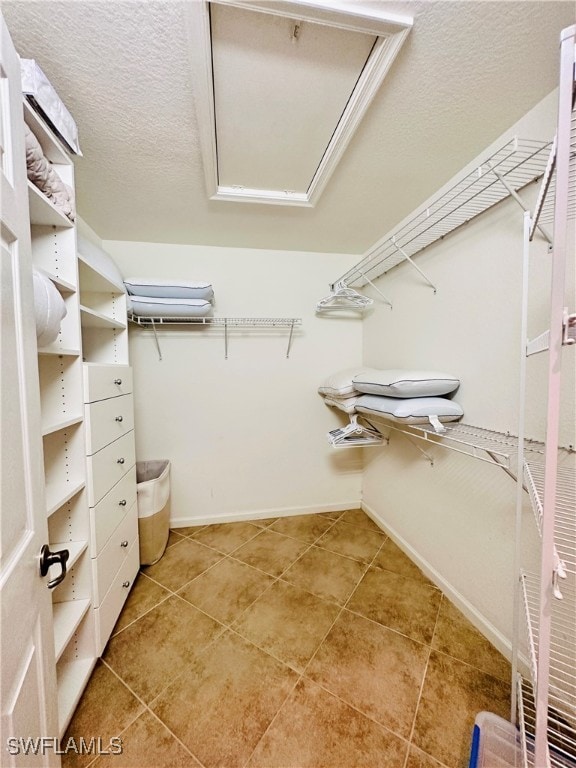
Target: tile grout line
<point>228,627</point>
<point>302,674</point>
<point>171,593</point>
<point>151,712</point>
<point>410,738</point>
<point>342,608</point>
<point>288,695</point>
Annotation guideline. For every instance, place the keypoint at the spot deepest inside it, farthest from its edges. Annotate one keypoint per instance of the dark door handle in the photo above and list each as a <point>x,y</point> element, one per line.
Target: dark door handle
<point>48,558</point>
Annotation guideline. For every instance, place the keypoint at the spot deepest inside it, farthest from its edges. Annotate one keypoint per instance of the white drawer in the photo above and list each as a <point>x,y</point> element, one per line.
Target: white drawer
<point>109,561</point>
<point>108,466</point>
<point>111,510</point>
<point>107,420</point>
<point>109,610</point>
<point>102,381</point>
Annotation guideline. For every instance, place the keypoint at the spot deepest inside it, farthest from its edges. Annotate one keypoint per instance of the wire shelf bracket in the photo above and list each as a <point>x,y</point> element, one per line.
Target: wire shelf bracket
<point>496,448</point>
<point>517,163</point>
<point>222,323</point>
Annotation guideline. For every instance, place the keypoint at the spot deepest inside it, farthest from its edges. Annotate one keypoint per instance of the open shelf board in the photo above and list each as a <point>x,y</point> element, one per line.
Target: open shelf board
<point>519,162</point>
<point>49,429</point>
<point>91,279</point>
<point>67,617</point>
<point>43,211</point>
<point>90,318</point>
<point>72,678</point>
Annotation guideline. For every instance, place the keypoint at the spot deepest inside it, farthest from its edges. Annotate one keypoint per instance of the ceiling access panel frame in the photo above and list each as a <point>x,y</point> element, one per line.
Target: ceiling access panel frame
<point>391,31</point>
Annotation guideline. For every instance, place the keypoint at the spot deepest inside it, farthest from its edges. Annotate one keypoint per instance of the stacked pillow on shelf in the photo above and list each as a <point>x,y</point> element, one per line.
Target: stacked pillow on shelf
<point>41,173</point>
<point>170,298</point>
<point>400,395</point>
<point>49,309</point>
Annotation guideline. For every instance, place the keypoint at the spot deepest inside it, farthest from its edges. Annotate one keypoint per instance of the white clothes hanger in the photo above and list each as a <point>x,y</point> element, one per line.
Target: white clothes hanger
<point>355,434</point>
<point>343,298</point>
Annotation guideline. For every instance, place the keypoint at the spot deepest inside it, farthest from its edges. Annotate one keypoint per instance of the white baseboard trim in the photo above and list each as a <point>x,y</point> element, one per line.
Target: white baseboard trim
<point>261,514</point>
<point>502,643</point>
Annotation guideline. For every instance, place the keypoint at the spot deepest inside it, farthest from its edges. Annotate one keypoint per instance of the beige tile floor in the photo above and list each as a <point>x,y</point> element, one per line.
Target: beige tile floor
<point>301,642</point>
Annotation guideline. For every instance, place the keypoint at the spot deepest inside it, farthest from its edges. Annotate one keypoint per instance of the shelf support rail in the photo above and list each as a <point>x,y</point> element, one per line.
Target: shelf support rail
<point>512,192</point>
<point>551,165</point>
<point>157,341</point>
<point>290,335</point>
<point>357,269</point>
<point>421,450</point>
<point>410,261</point>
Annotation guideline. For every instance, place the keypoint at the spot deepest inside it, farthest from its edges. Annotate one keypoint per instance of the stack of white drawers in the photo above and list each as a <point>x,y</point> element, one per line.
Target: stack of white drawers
<point>111,484</point>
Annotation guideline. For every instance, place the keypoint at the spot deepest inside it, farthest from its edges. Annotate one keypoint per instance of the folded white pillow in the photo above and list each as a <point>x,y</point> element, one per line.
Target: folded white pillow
<point>49,309</point>
<point>174,289</point>
<point>340,384</point>
<point>413,410</point>
<point>346,404</point>
<point>398,382</point>
<point>152,306</point>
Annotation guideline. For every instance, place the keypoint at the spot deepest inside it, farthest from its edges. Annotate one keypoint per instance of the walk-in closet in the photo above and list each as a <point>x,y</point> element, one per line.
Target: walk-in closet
<point>288,384</point>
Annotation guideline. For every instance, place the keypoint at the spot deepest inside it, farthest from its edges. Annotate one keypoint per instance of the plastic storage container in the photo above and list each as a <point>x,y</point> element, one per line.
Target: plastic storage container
<point>153,488</point>
<point>495,743</point>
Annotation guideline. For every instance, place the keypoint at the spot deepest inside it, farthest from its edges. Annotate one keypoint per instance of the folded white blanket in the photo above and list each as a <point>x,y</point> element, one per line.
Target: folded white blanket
<point>43,176</point>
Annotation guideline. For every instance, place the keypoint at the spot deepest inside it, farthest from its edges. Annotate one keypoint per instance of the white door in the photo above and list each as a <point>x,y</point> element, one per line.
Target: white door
<point>27,671</point>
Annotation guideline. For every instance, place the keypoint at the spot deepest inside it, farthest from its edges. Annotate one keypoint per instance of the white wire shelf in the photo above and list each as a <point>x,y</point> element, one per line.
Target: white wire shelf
<point>561,736</point>
<point>544,209</point>
<point>484,444</point>
<point>518,162</point>
<point>565,511</point>
<point>562,675</point>
<point>219,322</point>
<point>222,323</point>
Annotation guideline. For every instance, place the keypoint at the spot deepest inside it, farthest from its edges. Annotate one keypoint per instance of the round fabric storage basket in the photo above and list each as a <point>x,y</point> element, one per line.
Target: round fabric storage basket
<point>153,489</point>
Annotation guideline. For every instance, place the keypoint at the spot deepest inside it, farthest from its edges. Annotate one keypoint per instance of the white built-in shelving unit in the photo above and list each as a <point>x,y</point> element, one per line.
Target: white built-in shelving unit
<point>110,448</point>
<point>546,696</point>
<point>53,238</point>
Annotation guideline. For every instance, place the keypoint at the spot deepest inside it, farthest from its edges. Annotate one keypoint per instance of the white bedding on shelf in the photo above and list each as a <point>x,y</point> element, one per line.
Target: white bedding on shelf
<point>172,289</point>
<point>44,99</point>
<point>410,410</point>
<point>42,175</point>
<point>151,306</point>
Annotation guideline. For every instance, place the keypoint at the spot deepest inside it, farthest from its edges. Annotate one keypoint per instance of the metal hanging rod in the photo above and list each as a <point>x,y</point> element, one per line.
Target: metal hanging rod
<point>225,323</point>
<point>518,162</point>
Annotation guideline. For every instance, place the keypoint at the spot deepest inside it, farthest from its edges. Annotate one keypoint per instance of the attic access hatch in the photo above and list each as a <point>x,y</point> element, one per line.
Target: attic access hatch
<point>281,88</point>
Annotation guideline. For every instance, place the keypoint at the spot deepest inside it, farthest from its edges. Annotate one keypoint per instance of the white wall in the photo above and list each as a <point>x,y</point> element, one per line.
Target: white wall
<point>246,436</point>
<point>457,517</point>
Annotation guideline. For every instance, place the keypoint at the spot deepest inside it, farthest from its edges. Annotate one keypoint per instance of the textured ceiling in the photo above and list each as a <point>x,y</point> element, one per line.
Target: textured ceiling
<point>467,71</point>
